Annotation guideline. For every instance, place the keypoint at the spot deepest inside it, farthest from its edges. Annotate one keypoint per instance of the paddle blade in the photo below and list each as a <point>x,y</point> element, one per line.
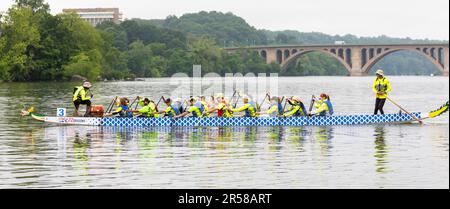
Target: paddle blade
<point>443,109</point>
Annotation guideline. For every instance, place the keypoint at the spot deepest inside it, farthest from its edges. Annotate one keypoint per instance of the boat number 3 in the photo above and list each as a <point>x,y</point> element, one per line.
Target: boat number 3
<point>61,112</point>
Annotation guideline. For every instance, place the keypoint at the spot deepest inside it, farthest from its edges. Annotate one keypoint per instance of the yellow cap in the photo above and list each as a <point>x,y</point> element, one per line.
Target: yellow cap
<point>295,99</point>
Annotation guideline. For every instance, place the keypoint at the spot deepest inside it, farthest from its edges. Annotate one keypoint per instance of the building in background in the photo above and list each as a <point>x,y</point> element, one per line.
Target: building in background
<point>97,15</point>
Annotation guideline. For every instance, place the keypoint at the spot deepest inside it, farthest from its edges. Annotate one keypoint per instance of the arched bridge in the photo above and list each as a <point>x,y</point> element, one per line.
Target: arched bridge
<point>357,59</point>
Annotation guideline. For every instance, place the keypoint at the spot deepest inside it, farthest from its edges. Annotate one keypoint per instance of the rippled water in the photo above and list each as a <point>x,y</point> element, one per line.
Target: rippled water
<point>34,155</point>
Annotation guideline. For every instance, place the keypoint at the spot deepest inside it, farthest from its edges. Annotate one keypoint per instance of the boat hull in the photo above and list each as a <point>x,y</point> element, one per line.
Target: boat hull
<point>230,122</point>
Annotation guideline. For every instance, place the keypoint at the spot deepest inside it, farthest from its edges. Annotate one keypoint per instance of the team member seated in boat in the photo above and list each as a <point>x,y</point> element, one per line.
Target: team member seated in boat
<point>148,109</point>
<point>205,106</point>
<point>172,109</point>
<point>82,96</point>
<point>178,102</point>
<point>381,86</point>
<point>249,107</point>
<point>123,109</point>
<point>275,109</point>
<point>323,106</point>
<point>297,108</point>
<point>193,109</point>
<point>221,107</point>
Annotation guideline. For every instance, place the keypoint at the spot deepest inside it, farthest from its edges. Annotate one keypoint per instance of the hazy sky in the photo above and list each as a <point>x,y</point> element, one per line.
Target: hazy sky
<point>396,18</point>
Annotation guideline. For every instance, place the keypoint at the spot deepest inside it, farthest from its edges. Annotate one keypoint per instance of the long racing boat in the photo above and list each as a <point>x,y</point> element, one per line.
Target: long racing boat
<point>243,121</point>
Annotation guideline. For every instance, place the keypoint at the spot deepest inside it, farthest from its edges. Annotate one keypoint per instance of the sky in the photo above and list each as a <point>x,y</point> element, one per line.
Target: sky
<point>418,19</point>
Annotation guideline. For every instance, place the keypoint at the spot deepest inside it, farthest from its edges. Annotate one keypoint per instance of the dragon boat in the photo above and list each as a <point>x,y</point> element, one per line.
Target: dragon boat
<point>242,121</point>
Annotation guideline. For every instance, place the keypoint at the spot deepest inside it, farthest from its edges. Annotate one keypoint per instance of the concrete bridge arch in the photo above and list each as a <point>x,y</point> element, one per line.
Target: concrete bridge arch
<point>428,55</point>
<point>298,53</point>
<point>357,59</point>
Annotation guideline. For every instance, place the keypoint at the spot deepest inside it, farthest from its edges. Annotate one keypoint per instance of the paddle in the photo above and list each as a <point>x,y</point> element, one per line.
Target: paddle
<point>259,107</point>
<point>111,105</point>
<point>414,117</point>
<point>133,101</point>
<point>285,103</point>
<point>135,107</point>
<point>157,104</point>
<point>312,103</point>
<point>232,97</point>
<point>237,100</point>
<point>163,99</point>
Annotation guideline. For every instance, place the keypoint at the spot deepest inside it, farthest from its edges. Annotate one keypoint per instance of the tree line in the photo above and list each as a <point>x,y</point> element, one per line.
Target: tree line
<point>38,46</point>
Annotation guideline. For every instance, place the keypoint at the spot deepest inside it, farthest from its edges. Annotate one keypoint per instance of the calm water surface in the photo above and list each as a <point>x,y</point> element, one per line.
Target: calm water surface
<point>34,155</point>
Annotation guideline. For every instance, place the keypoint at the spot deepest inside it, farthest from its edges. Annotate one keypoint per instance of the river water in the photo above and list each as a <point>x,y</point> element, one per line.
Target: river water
<point>35,155</point>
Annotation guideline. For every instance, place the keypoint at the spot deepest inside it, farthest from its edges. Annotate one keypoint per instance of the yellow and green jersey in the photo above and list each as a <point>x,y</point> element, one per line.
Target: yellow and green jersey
<point>81,94</point>
<point>383,85</point>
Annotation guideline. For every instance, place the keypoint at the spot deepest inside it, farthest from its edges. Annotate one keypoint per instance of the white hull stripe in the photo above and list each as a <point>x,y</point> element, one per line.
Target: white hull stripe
<point>238,121</point>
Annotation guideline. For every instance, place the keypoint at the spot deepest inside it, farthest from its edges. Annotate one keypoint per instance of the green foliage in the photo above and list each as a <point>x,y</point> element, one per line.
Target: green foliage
<point>35,45</point>
<point>226,28</point>
<point>85,64</point>
<point>20,37</point>
<point>229,30</point>
<point>34,5</point>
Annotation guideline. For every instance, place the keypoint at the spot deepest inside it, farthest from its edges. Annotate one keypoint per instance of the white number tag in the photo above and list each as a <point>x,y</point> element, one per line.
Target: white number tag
<point>61,112</point>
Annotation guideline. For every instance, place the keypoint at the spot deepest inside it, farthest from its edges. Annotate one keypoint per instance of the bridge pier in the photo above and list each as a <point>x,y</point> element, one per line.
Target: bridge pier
<point>271,56</point>
<point>356,68</point>
<point>358,73</point>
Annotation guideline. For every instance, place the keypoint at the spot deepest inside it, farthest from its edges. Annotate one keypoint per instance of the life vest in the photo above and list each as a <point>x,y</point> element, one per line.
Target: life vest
<point>298,113</point>
<point>150,110</point>
<point>250,111</point>
<point>280,109</point>
<point>303,109</point>
<point>276,113</point>
<point>175,110</point>
<point>79,93</point>
<point>381,85</point>
<point>330,108</point>
<point>195,111</point>
<point>200,106</point>
<point>124,112</point>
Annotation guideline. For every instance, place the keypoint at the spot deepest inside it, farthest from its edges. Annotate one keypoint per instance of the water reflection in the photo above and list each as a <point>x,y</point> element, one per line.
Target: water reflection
<point>381,150</point>
<point>193,137</point>
<point>34,155</point>
<point>324,136</point>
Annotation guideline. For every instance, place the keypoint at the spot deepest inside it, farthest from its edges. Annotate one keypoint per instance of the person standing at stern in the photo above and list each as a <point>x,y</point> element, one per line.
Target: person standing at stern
<point>381,87</point>
<point>82,96</point>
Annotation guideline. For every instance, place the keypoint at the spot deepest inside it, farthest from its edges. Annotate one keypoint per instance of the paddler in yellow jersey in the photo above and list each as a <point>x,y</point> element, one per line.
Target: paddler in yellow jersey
<point>297,108</point>
<point>172,109</point>
<point>205,105</point>
<point>192,109</point>
<point>249,107</point>
<point>148,109</point>
<point>82,96</point>
<point>323,106</point>
<point>222,107</point>
<point>275,109</point>
<point>381,86</point>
